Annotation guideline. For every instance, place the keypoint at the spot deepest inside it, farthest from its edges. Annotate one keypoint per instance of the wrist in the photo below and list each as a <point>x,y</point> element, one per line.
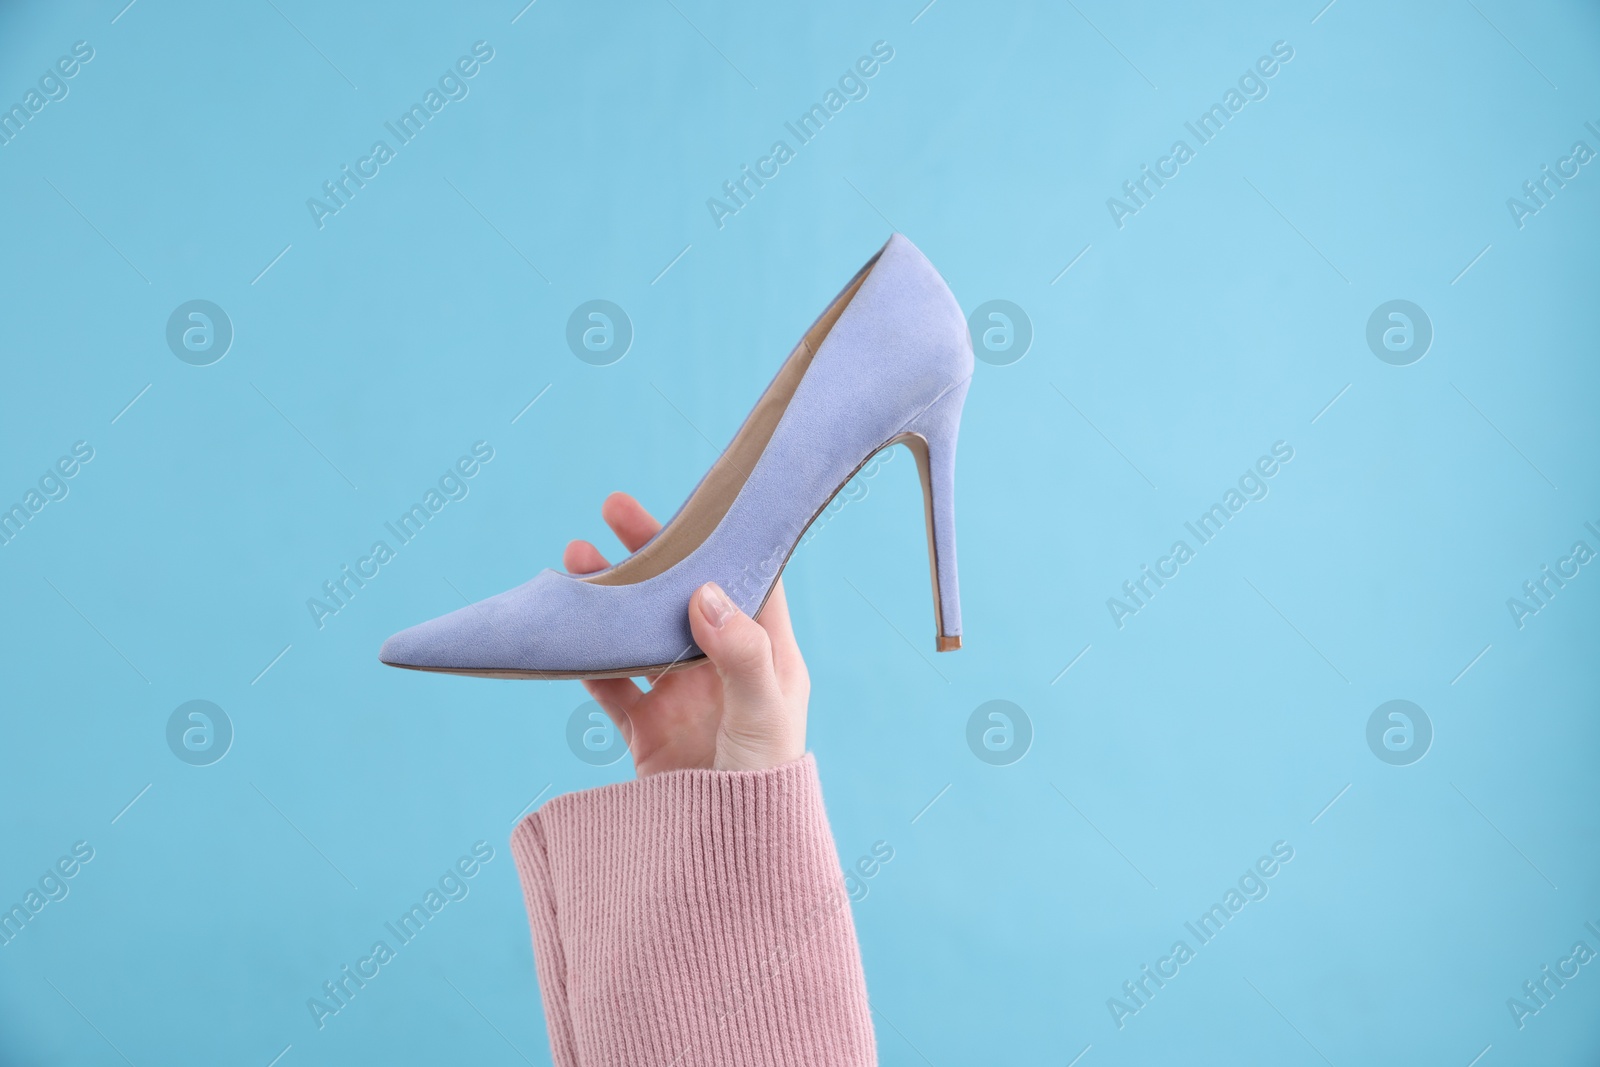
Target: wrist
<point>733,755</point>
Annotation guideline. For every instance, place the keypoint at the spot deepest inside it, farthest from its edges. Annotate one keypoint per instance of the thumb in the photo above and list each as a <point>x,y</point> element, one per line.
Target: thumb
<point>737,646</point>
<point>755,719</point>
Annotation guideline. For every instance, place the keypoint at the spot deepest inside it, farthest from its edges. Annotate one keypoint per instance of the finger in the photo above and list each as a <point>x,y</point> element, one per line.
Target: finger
<point>774,618</point>
<point>739,648</point>
<point>618,698</point>
<point>761,725</point>
<point>582,558</point>
<point>628,519</point>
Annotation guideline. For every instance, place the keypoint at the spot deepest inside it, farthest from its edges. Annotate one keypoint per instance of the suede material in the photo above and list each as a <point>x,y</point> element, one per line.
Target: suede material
<point>899,359</point>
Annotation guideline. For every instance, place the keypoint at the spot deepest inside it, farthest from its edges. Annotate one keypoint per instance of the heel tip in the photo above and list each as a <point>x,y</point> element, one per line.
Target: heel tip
<point>949,644</point>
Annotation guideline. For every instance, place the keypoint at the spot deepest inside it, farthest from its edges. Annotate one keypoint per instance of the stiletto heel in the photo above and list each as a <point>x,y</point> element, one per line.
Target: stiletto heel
<point>889,361</point>
<point>932,440</point>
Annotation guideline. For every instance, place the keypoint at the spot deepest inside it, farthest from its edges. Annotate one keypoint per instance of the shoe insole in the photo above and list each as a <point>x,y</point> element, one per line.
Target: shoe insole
<point>715,494</point>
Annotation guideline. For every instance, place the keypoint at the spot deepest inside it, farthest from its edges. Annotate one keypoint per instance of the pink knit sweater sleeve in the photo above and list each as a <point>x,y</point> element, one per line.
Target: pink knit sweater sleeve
<point>694,917</point>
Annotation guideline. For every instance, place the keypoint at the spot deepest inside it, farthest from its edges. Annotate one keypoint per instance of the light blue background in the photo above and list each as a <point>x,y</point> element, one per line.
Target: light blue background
<point>1222,318</point>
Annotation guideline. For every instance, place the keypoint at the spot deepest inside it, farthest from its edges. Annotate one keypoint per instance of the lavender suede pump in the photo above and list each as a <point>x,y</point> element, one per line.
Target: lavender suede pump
<point>888,362</point>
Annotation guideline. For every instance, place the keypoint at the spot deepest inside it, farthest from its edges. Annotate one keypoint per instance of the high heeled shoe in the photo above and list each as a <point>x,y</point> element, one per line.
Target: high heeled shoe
<point>887,363</point>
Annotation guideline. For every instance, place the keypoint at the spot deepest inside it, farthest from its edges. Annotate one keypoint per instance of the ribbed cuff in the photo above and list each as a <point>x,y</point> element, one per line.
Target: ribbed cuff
<point>694,917</point>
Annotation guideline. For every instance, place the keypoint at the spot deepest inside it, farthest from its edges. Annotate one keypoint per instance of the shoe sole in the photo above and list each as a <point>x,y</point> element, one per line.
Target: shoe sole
<point>918,446</point>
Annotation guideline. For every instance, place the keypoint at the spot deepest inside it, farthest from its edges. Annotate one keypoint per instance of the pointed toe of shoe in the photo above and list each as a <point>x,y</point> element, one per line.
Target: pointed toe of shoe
<point>463,640</point>
<point>408,648</point>
<point>513,634</point>
<point>553,627</point>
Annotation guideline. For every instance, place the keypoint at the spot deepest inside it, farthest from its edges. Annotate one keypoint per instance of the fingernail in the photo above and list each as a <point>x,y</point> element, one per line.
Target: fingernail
<point>715,605</point>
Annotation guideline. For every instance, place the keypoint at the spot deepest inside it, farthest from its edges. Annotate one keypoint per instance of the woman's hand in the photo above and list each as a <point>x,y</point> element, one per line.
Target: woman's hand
<point>745,710</point>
